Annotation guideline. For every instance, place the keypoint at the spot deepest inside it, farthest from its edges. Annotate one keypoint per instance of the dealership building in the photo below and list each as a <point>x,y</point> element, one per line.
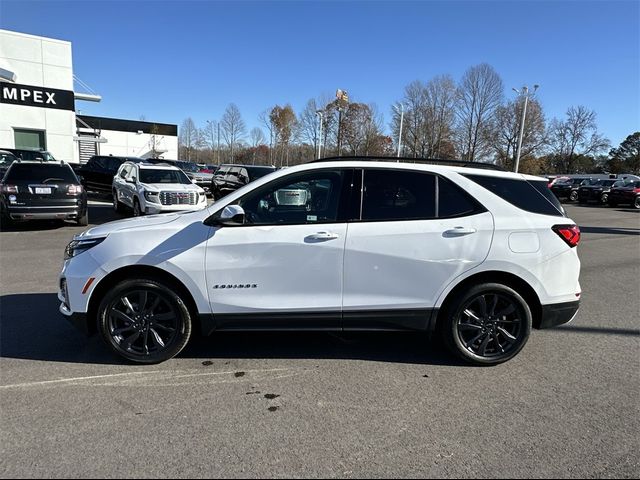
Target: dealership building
<point>38,105</point>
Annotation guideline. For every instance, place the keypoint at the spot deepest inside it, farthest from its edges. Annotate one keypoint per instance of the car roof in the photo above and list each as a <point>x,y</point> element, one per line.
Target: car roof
<point>426,167</point>
<point>154,166</point>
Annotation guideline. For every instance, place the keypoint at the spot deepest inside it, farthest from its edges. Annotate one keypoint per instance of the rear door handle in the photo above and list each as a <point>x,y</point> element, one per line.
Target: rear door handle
<point>323,236</point>
<point>459,232</point>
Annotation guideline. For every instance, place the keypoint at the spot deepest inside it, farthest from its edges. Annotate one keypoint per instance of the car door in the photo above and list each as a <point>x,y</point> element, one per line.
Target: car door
<point>283,267</point>
<point>120,184</point>
<point>417,232</point>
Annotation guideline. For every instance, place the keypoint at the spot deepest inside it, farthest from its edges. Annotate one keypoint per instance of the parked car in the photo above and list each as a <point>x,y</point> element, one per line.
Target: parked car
<point>6,159</point>
<point>568,188</point>
<point>229,178</point>
<point>197,176</point>
<point>598,191</point>
<point>97,174</point>
<point>30,155</point>
<point>378,245</point>
<point>42,190</point>
<point>626,194</point>
<point>155,188</point>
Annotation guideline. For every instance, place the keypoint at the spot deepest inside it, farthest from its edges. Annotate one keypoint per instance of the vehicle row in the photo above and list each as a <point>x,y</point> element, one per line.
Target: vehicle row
<point>611,191</point>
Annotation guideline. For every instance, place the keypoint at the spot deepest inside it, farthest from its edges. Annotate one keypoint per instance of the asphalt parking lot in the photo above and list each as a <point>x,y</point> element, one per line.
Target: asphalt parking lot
<point>322,405</point>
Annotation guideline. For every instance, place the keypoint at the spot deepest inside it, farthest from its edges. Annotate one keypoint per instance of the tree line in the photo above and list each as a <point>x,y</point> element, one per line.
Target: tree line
<point>469,120</point>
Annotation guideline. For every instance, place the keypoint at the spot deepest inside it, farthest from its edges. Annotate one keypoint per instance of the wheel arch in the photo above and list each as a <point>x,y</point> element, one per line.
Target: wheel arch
<point>144,271</point>
<point>509,279</point>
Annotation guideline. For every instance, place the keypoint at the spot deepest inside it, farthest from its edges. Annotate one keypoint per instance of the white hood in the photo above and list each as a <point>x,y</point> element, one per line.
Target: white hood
<point>129,223</point>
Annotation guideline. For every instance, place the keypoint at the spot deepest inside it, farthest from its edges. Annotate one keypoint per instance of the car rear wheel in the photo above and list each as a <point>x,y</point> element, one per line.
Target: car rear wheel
<point>636,203</point>
<point>487,324</point>
<point>144,321</point>
<point>573,196</point>
<point>605,198</point>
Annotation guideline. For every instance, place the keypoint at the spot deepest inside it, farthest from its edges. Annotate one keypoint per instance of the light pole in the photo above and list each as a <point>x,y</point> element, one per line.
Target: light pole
<point>401,122</point>
<point>213,140</point>
<point>320,114</point>
<point>524,92</point>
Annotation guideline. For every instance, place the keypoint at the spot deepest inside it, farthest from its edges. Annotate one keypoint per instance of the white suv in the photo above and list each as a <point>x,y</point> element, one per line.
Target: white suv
<point>155,188</point>
<point>477,255</point>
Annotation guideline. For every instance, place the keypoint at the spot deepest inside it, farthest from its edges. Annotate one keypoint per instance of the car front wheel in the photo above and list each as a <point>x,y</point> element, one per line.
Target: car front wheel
<point>487,324</point>
<point>573,196</point>
<point>144,321</point>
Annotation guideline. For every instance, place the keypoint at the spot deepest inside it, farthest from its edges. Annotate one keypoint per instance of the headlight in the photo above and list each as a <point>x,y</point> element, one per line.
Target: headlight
<point>76,247</point>
<point>152,196</point>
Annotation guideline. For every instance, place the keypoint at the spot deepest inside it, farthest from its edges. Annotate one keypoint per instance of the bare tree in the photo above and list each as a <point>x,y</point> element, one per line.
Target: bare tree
<point>478,96</point>
<point>233,128</point>
<point>309,124</point>
<point>284,123</point>
<point>574,137</point>
<point>188,138</point>
<point>504,138</point>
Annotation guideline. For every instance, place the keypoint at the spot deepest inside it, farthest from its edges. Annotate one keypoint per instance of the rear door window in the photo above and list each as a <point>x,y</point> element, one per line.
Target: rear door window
<point>398,195</point>
<point>531,196</point>
<point>453,201</point>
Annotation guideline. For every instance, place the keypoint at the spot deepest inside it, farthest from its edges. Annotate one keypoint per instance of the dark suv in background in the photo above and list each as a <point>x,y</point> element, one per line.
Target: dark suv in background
<point>229,178</point>
<point>42,191</point>
<point>598,191</point>
<point>97,174</point>
<point>30,155</point>
<point>568,189</point>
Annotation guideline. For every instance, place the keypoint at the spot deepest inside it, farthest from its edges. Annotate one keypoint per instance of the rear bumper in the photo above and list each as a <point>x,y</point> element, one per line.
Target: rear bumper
<point>45,213</point>
<point>558,313</point>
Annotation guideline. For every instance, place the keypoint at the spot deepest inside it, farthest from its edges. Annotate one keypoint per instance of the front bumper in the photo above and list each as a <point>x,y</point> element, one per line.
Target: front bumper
<point>558,313</point>
<point>155,208</point>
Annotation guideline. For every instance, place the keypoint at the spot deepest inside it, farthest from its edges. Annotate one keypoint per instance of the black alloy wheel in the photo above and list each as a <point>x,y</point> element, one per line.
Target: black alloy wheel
<point>488,324</point>
<point>573,196</point>
<point>605,198</point>
<point>144,321</point>
<point>636,203</point>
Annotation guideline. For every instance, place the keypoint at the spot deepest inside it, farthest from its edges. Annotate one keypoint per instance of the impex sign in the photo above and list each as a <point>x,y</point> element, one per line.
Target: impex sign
<point>31,96</point>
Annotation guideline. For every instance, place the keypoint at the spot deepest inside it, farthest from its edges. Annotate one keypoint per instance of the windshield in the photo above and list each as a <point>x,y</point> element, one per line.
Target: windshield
<point>41,173</point>
<point>163,176</point>
<point>187,166</point>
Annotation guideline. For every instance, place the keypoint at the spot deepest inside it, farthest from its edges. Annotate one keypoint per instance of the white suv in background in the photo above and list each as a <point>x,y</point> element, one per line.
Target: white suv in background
<point>478,256</point>
<point>155,188</point>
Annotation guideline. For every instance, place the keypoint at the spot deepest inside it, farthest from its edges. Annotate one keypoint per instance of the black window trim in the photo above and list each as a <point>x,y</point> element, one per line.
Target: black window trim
<point>480,209</point>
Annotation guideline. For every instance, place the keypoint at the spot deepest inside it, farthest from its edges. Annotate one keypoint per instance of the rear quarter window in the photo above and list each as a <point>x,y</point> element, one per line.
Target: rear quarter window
<point>532,196</point>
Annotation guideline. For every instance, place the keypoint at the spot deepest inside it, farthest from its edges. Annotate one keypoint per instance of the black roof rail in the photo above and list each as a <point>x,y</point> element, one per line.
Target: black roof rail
<point>426,161</point>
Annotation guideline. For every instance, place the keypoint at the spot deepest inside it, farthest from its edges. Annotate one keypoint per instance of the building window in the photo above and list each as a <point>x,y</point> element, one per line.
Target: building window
<point>30,139</point>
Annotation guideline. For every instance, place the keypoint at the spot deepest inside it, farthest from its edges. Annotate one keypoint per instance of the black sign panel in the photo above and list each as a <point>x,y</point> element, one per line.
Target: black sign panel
<point>31,96</point>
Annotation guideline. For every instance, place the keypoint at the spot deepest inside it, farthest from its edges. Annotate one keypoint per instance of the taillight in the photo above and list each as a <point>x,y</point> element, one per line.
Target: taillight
<point>636,190</point>
<point>9,189</point>
<point>74,190</point>
<point>569,233</point>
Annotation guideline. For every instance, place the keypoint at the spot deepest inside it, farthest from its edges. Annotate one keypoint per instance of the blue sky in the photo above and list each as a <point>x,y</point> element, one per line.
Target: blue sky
<point>169,60</point>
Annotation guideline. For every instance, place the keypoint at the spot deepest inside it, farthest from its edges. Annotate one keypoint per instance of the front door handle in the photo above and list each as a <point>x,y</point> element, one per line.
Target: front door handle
<point>323,236</point>
<point>459,232</point>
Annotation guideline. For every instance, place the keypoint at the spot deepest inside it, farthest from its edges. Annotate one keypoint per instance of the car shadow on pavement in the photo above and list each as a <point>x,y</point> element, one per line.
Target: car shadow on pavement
<point>32,329</point>
<point>611,230</point>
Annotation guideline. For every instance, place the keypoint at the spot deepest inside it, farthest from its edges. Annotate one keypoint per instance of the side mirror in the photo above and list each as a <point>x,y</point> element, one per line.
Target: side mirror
<point>231,216</point>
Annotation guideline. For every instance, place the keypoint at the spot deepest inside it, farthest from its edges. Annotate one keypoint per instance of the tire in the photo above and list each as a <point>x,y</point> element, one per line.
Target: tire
<point>476,338</point>
<point>636,203</point>
<point>137,211</point>
<point>573,196</point>
<point>118,206</point>
<point>83,221</point>
<point>604,199</point>
<point>129,321</point>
